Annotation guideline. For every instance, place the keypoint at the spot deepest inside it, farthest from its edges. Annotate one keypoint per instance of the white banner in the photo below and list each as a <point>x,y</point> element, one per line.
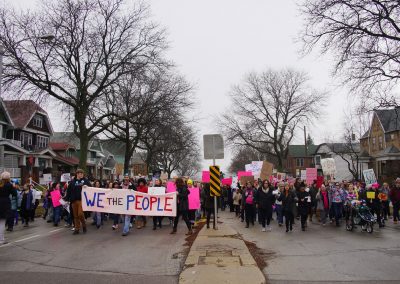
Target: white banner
<point>128,202</point>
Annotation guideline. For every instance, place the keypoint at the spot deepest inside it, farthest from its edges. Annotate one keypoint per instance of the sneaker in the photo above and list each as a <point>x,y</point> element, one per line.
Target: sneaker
<point>72,229</point>
<point>263,230</point>
<point>130,225</point>
<point>114,227</point>
<point>124,234</point>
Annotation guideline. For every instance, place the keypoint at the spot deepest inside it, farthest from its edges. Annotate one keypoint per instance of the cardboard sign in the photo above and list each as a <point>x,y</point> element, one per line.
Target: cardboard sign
<point>328,166</point>
<point>226,181</point>
<point>156,190</point>
<point>171,187</point>
<point>205,177</point>
<point>55,198</point>
<point>194,198</point>
<point>128,202</point>
<point>369,176</point>
<point>245,179</point>
<point>65,177</point>
<point>266,170</point>
<point>303,175</point>
<point>311,175</point>
<point>47,178</point>
<point>244,174</point>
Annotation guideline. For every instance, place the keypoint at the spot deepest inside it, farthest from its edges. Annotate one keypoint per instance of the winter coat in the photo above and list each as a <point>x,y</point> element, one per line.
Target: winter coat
<point>28,200</point>
<point>237,196</point>
<point>289,201</point>
<point>6,190</point>
<point>74,191</point>
<point>265,200</point>
<point>182,198</point>
<point>246,194</point>
<point>303,198</point>
<point>395,195</point>
<point>320,201</point>
<point>208,199</point>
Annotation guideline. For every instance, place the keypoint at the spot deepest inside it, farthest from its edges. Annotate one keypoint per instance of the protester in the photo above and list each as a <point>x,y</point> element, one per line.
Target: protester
<point>289,199</point>
<point>395,198</point>
<point>264,200</point>
<point>157,220</point>
<point>384,197</point>
<point>209,203</point>
<point>278,204</point>
<point>142,187</point>
<point>338,198</point>
<point>304,201</point>
<point>74,193</point>
<point>6,189</point>
<point>237,198</point>
<point>57,209</point>
<point>182,205</point>
<point>322,198</point>
<point>248,203</point>
<point>27,204</point>
<point>127,218</point>
<point>98,216</point>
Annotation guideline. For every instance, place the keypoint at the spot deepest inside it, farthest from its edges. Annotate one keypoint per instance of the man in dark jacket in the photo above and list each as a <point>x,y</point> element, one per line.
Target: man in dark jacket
<point>395,198</point>
<point>208,203</point>
<point>74,195</point>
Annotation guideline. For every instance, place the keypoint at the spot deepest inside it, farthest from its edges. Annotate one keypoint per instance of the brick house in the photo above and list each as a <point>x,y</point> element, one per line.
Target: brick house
<point>380,145</point>
<point>298,160</point>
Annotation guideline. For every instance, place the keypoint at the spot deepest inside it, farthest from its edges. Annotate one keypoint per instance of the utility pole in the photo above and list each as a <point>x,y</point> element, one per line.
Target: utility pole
<point>305,141</point>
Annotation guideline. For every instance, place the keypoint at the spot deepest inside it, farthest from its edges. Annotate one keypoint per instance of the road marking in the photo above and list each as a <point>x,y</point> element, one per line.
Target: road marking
<point>28,238</point>
<point>56,230</point>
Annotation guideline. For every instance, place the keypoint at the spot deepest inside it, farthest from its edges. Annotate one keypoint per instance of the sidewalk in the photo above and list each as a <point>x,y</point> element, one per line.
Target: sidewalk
<point>220,256</point>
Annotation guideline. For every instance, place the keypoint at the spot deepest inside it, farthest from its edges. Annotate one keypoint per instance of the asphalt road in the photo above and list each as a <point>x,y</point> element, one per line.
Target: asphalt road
<point>46,254</point>
<point>325,254</point>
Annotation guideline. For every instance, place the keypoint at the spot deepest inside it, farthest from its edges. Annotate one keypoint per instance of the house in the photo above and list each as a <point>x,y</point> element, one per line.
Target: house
<point>24,137</point>
<point>100,163</point>
<point>380,145</point>
<point>298,159</point>
<point>66,160</point>
<point>346,156</point>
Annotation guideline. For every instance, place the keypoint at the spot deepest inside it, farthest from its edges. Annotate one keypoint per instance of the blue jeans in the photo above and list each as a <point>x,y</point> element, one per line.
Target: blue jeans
<point>279,213</point>
<point>98,218</point>
<point>57,214</point>
<point>337,209</point>
<point>127,222</point>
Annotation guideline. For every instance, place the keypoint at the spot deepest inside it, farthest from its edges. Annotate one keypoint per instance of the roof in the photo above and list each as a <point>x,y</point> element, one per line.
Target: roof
<point>390,119</point>
<point>21,111</point>
<point>343,147</point>
<point>66,137</point>
<point>60,146</point>
<point>72,161</point>
<point>390,150</point>
<point>299,150</point>
<point>114,146</point>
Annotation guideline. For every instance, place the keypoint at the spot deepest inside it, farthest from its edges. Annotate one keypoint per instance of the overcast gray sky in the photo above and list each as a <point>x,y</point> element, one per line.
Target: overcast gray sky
<point>216,42</point>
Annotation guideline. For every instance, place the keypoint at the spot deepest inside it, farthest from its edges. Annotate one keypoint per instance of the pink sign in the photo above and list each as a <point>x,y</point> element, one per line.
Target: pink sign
<point>311,175</point>
<point>194,198</point>
<point>227,181</point>
<point>55,197</point>
<point>244,174</point>
<point>206,176</point>
<point>171,187</point>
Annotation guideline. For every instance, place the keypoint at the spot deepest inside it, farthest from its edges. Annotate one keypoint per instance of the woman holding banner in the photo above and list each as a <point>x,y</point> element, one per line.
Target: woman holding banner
<point>157,219</point>
<point>182,205</point>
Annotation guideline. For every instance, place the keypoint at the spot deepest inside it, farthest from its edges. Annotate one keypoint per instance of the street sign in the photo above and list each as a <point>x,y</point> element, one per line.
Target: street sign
<point>213,146</point>
<point>215,181</point>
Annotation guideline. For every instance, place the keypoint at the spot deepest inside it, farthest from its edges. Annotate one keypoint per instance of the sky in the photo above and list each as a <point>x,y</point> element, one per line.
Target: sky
<point>215,43</point>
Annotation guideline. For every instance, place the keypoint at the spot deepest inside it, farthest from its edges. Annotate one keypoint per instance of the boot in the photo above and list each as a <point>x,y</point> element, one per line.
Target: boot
<point>189,232</point>
<point>173,231</point>
<point>139,224</point>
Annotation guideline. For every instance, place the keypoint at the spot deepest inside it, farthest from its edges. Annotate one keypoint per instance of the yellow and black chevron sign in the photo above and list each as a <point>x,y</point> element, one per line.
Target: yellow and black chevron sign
<point>215,181</point>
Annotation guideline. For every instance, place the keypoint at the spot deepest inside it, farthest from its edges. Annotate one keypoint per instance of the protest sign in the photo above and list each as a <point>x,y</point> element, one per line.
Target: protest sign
<point>245,179</point>
<point>65,177</point>
<point>194,198</point>
<point>47,178</point>
<point>280,176</point>
<point>328,166</point>
<point>303,175</point>
<point>311,175</point>
<point>247,168</point>
<point>206,176</point>
<point>243,174</point>
<point>266,170</point>
<point>156,190</point>
<point>128,202</point>
<point>370,194</point>
<point>171,187</point>
<point>55,197</point>
<point>256,167</point>
<point>369,176</point>
<point>226,181</point>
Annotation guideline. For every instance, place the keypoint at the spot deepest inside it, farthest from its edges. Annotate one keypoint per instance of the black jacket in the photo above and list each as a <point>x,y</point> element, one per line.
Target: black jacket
<point>74,191</point>
<point>265,200</point>
<point>5,202</point>
<point>182,198</point>
<point>289,201</point>
<point>303,199</point>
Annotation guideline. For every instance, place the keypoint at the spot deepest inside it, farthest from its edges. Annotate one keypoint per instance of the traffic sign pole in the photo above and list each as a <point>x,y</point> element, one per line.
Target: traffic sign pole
<point>215,225</point>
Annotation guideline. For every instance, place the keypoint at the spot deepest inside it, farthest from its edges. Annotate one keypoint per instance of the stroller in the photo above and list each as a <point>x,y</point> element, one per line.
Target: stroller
<point>359,214</point>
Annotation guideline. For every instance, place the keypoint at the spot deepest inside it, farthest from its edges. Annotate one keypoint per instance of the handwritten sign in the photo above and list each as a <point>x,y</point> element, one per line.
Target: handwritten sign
<point>65,177</point>
<point>55,197</point>
<point>370,194</point>
<point>248,167</point>
<point>156,190</point>
<point>328,166</point>
<point>303,174</point>
<point>125,201</point>
<point>311,175</point>
<point>244,174</point>
<point>266,170</point>
<point>369,176</point>
<point>205,176</point>
<point>47,178</point>
<point>194,198</point>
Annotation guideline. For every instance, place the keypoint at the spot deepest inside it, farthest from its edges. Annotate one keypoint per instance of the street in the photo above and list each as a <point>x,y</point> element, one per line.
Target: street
<point>325,254</point>
<point>43,253</point>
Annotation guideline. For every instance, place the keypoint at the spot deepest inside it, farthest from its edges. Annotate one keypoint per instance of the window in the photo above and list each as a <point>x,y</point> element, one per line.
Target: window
<point>299,162</point>
<point>317,160</point>
<point>26,139</point>
<point>42,142</point>
<point>380,138</point>
<point>38,121</point>
<point>392,137</point>
<point>1,131</point>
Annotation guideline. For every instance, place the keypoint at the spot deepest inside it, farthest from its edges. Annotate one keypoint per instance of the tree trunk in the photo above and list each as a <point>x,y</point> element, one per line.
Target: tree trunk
<point>128,156</point>
<point>84,145</point>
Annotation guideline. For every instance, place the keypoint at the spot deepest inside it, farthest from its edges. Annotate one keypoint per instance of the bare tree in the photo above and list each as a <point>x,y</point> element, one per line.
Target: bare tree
<point>92,43</point>
<point>267,107</point>
<point>245,155</point>
<point>364,37</point>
